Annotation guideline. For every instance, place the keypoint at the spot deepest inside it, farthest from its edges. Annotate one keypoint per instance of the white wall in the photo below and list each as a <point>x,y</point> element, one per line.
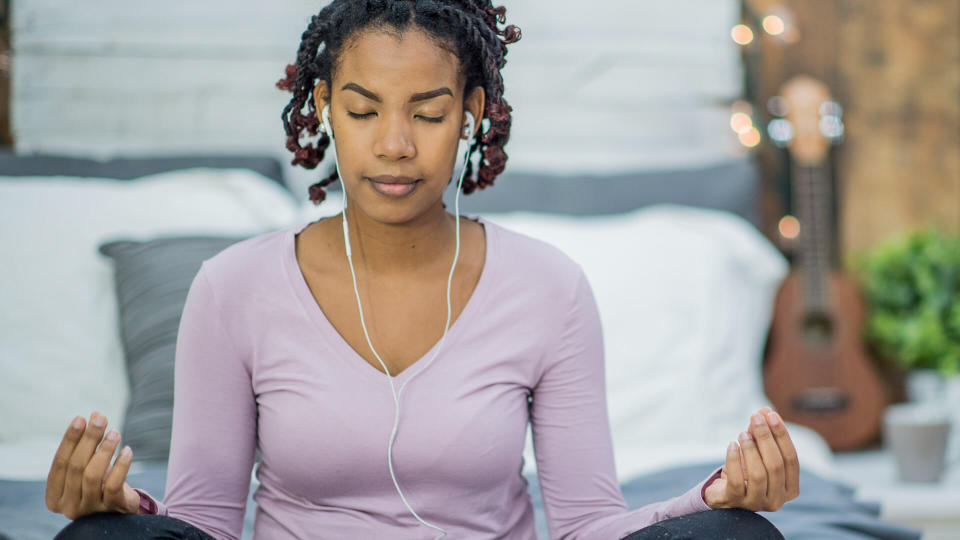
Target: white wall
<point>646,84</point>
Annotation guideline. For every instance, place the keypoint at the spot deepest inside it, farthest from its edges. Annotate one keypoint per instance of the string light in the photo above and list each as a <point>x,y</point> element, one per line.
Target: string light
<point>740,122</point>
<point>779,23</point>
<point>773,25</point>
<point>789,227</point>
<point>750,137</point>
<point>742,105</point>
<point>742,34</point>
<point>741,116</point>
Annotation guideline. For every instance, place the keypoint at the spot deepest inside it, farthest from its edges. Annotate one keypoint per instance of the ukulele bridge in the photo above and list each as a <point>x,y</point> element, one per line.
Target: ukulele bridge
<point>821,400</point>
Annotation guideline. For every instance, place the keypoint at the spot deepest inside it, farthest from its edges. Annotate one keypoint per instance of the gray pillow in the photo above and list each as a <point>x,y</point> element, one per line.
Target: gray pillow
<point>152,280</point>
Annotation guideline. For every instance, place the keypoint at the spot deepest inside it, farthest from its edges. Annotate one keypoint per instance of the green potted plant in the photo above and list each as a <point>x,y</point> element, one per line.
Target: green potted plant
<point>911,284</point>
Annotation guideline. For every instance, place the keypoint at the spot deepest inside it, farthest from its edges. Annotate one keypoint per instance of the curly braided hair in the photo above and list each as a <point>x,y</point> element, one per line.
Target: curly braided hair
<point>471,29</point>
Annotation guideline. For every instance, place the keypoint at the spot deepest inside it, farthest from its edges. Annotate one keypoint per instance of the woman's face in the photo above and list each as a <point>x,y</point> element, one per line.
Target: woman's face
<point>397,113</point>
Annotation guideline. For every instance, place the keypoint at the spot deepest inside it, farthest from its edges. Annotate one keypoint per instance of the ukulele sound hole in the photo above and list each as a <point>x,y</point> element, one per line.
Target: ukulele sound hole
<point>817,329</point>
<point>821,400</point>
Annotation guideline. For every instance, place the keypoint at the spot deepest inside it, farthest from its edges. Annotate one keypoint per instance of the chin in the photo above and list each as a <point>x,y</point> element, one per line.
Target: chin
<point>398,212</point>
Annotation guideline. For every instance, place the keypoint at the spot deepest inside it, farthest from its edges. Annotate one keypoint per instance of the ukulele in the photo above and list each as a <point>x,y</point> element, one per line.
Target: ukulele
<point>817,372</point>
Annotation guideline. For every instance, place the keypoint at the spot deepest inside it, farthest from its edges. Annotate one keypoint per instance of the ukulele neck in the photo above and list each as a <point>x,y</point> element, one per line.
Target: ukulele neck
<point>812,191</point>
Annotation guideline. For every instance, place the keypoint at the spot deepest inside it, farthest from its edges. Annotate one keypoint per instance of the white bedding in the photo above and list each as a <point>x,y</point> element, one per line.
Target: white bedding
<point>685,296</point>
<point>60,352</point>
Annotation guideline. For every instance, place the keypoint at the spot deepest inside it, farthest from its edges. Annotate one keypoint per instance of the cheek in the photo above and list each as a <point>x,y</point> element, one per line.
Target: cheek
<point>440,156</point>
<point>353,150</point>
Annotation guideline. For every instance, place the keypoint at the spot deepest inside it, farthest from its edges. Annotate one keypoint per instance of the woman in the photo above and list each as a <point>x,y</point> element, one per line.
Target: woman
<point>374,415</point>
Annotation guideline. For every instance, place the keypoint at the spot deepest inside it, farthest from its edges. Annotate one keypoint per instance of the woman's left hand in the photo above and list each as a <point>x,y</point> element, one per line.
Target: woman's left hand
<point>762,473</point>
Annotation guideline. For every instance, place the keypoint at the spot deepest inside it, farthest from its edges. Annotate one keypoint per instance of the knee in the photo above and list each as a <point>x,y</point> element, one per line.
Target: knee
<point>103,525</point>
<point>123,526</point>
<point>739,523</point>
<point>729,523</point>
<point>108,525</point>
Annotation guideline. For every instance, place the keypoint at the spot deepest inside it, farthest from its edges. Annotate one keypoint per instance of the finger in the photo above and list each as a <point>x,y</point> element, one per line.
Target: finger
<point>791,462</point>
<point>735,479</point>
<point>743,468</point>
<point>73,483</point>
<point>756,472</point>
<point>58,470</point>
<point>92,497</point>
<point>110,465</point>
<point>772,461</point>
<point>113,494</point>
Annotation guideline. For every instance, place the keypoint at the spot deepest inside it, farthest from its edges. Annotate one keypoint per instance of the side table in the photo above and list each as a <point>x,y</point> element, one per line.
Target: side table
<point>931,507</point>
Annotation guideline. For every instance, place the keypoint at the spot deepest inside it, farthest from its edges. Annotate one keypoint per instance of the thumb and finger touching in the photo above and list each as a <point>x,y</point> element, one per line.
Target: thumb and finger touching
<point>82,480</point>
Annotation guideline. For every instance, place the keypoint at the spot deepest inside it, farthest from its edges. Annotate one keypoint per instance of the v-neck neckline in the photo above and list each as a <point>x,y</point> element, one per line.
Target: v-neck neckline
<point>345,351</point>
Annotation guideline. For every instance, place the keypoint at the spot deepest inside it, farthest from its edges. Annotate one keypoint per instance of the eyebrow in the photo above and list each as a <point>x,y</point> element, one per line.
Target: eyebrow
<point>423,96</point>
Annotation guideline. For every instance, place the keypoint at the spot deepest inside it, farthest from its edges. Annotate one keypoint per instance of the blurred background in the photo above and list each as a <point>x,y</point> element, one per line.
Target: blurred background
<point>819,140</point>
<point>620,86</point>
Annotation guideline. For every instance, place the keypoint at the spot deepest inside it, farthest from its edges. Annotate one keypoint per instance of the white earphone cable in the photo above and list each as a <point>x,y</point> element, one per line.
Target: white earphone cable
<point>393,390</point>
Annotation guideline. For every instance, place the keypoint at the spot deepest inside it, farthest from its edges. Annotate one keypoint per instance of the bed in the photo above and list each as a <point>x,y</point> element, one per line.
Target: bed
<point>98,256</point>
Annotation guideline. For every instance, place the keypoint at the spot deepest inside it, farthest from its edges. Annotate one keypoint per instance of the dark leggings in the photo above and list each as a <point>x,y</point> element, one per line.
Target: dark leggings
<point>728,524</point>
<point>139,526</point>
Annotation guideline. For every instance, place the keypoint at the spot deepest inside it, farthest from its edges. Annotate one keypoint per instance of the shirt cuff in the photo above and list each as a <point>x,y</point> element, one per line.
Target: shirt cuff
<point>149,505</point>
<point>703,490</point>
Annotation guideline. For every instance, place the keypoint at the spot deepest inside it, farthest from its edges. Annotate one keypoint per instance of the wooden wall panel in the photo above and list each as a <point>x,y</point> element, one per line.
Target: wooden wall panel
<point>899,67</point>
<point>895,67</point>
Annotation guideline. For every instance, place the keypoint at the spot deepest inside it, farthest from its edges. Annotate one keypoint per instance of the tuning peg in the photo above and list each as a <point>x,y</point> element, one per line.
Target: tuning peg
<point>780,131</point>
<point>831,108</point>
<point>832,128</point>
<point>778,106</point>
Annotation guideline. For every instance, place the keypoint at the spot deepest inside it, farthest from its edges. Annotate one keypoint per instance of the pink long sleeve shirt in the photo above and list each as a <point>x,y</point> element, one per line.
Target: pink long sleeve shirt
<point>258,365</point>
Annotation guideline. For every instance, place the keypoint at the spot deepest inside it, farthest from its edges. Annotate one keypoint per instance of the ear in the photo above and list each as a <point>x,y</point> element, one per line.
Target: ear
<point>474,103</point>
<point>321,97</point>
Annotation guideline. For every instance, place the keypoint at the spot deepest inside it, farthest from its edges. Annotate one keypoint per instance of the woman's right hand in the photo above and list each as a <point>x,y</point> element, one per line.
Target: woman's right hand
<point>81,479</point>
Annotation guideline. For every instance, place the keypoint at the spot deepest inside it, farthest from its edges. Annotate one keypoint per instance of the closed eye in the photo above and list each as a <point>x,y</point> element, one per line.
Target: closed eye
<point>432,119</point>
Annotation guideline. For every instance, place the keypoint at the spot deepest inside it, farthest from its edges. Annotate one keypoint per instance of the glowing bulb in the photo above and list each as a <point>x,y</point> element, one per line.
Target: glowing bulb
<point>742,106</point>
<point>789,227</point>
<point>742,34</point>
<point>773,25</point>
<point>750,137</point>
<point>740,122</point>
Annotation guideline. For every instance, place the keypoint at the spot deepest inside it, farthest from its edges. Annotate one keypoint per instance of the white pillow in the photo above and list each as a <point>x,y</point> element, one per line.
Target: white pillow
<point>60,351</point>
<point>685,298</point>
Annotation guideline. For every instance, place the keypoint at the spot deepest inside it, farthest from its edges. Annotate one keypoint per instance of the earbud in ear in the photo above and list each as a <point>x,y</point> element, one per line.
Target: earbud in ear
<point>325,117</point>
<point>469,126</point>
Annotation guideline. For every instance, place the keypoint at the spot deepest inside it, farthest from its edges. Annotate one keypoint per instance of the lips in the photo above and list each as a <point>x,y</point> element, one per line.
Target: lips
<point>393,186</point>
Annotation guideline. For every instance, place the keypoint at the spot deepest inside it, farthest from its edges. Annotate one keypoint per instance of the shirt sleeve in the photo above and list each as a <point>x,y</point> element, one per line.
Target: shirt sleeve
<point>572,441</point>
<point>214,421</point>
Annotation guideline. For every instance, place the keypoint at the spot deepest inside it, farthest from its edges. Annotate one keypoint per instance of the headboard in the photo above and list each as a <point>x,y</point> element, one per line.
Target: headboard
<point>730,186</point>
<point>126,168</point>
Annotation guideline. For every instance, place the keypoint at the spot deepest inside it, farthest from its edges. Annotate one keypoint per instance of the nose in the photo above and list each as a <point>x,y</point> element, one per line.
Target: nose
<point>394,141</point>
